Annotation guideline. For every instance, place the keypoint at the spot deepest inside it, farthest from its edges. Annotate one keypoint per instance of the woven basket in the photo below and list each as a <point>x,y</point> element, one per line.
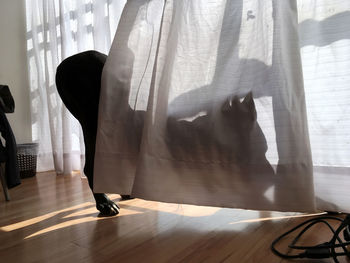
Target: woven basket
<point>26,158</point>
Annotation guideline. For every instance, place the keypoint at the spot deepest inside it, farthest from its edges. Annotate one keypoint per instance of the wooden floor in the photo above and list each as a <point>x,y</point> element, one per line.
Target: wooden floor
<point>53,219</point>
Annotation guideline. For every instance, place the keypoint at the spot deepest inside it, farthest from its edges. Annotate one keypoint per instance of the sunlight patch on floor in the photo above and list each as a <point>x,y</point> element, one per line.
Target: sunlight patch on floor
<point>38,219</point>
<point>177,209</point>
<point>65,224</point>
<point>262,219</point>
<point>82,213</point>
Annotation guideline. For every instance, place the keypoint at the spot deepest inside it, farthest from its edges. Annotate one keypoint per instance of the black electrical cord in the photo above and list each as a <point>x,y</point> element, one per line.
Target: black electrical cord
<point>347,233</point>
<point>325,250</point>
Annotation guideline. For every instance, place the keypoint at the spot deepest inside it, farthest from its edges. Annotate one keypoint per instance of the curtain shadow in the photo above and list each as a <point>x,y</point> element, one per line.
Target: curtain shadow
<point>192,132</point>
<point>225,131</point>
<point>325,32</point>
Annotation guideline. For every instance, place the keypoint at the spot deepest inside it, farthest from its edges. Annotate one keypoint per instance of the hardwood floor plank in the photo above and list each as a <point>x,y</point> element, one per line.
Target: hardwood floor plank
<point>53,219</point>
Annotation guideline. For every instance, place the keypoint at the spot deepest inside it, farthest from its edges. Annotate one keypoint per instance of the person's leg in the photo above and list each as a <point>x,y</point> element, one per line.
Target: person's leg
<point>78,80</point>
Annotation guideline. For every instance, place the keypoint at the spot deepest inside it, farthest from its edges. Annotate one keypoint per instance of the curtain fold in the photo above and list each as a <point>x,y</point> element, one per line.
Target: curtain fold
<point>57,29</point>
<point>227,103</point>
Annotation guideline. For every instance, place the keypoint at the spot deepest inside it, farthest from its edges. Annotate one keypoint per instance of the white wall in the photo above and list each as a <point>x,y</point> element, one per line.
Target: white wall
<point>13,65</point>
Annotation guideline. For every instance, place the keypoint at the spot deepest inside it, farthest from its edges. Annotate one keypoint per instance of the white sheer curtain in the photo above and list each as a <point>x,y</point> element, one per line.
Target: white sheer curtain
<point>228,103</point>
<point>177,63</point>
<point>57,29</point>
<point>324,29</point>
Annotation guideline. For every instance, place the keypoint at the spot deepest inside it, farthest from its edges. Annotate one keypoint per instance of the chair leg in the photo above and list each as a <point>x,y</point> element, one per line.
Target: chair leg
<point>3,182</point>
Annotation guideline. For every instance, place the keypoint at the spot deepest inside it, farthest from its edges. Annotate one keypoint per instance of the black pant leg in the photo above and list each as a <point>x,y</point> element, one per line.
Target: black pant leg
<point>78,81</point>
